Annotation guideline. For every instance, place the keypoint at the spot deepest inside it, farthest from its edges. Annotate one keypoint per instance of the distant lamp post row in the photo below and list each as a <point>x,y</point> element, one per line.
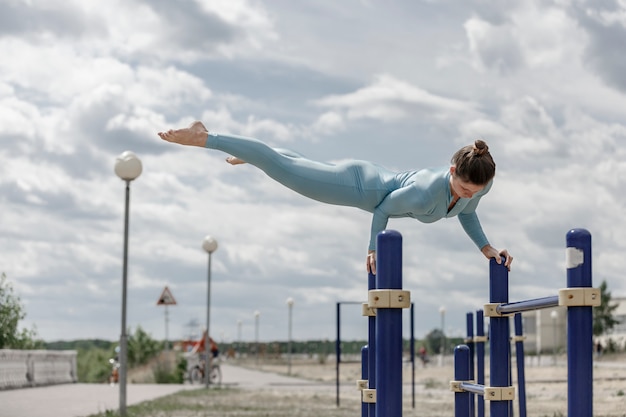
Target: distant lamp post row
<point>128,168</point>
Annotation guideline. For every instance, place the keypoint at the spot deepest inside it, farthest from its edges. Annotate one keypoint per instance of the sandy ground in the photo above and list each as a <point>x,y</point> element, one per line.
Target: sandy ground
<point>546,390</point>
<point>546,386</point>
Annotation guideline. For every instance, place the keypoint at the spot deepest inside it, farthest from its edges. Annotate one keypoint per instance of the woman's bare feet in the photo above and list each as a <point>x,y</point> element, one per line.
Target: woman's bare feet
<point>233,160</point>
<point>194,135</point>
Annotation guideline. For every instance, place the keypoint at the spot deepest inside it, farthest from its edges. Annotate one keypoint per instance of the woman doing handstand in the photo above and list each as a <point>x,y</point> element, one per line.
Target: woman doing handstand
<point>427,195</point>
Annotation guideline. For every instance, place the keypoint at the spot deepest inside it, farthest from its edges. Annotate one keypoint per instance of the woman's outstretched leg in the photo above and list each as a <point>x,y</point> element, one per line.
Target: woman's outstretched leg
<point>355,183</point>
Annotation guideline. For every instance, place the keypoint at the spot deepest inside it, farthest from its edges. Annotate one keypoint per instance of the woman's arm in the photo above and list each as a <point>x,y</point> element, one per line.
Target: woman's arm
<point>469,220</point>
<point>397,203</point>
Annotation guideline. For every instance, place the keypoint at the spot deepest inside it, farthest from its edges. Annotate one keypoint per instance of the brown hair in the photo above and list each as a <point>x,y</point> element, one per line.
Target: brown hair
<point>474,163</point>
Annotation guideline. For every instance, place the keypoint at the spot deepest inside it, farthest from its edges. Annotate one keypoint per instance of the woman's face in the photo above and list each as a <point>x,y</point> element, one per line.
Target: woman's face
<point>462,189</point>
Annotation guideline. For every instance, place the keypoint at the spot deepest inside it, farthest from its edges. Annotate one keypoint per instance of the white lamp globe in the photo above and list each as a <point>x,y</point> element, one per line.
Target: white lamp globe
<point>209,244</point>
<point>127,166</point>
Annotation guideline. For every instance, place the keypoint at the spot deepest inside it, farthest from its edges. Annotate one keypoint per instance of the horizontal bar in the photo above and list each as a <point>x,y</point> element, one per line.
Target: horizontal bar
<point>526,305</point>
<point>473,388</point>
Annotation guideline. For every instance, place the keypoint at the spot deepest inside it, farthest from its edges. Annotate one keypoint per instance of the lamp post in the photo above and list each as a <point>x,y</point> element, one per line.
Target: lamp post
<point>554,315</point>
<point>290,308</point>
<point>238,337</point>
<point>128,168</point>
<point>442,312</point>
<point>209,245</point>
<point>257,314</point>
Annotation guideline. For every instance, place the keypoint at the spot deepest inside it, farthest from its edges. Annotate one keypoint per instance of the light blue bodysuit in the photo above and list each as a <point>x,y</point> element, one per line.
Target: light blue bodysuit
<point>424,195</point>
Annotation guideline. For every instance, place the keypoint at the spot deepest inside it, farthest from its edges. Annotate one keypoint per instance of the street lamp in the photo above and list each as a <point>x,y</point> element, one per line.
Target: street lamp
<point>209,245</point>
<point>128,168</point>
<point>257,314</point>
<point>290,307</point>
<point>554,315</point>
<point>238,337</point>
<point>442,312</point>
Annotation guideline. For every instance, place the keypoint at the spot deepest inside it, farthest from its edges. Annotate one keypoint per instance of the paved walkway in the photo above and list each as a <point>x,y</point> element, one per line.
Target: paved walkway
<point>80,400</point>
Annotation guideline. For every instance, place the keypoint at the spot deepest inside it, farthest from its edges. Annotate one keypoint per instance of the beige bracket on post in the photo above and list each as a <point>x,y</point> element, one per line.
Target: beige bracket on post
<point>499,393</point>
<point>491,310</point>
<point>367,311</point>
<point>369,395</point>
<point>361,384</point>
<point>580,297</point>
<point>389,299</point>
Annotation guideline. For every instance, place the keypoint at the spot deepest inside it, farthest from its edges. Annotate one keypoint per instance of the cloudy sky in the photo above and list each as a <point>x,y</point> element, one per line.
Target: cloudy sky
<point>403,83</point>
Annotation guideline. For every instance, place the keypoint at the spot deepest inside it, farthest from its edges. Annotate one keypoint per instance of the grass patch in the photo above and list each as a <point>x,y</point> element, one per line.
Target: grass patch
<point>229,402</point>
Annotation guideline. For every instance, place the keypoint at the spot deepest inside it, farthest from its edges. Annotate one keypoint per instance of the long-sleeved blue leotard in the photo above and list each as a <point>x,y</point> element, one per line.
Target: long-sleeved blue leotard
<point>424,195</point>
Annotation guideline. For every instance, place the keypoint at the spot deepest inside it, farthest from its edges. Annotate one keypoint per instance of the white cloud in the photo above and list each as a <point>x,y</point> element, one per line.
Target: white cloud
<point>329,122</point>
<point>74,97</point>
<point>388,99</point>
<point>533,36</point>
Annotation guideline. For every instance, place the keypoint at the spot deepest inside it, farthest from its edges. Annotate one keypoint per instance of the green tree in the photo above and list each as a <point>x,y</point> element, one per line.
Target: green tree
<point>93,364</point>
<point>603,321</point>
<point>435,340</point>
<point>11,312</point>
<point>141,347</point>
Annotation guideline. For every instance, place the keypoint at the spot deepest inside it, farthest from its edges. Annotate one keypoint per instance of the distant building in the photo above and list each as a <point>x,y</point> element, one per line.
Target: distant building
<point>546,330</point>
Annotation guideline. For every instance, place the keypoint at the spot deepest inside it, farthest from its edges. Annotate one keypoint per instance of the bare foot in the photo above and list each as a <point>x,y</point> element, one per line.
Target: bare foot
<point>194,135</point>
<point>233,160</point>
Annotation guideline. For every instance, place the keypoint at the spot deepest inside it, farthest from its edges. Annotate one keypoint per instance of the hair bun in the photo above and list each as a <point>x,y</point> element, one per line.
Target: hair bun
<point>480,147</point>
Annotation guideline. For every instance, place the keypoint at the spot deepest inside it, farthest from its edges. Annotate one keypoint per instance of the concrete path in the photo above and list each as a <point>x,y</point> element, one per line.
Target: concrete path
<point>80,400</point>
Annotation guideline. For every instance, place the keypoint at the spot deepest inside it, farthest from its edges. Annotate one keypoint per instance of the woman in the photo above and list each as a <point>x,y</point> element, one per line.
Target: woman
<point>427,195</point>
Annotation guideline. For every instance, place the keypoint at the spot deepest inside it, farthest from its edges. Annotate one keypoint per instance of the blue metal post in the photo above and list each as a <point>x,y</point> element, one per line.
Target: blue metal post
<point>499,345</point>
<point>462,373</point>
<point>521,374</point>
<point>338,352</point>
<point>371,343</point>
<point>480,359</point>
<point>579,327</point>
<point>364,376</point>
<point>389,327</point>
<point>412,347</point>
<point>469,322</point>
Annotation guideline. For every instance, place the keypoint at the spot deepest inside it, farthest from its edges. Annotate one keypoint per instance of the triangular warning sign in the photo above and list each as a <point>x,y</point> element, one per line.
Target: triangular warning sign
<point>166,298</point>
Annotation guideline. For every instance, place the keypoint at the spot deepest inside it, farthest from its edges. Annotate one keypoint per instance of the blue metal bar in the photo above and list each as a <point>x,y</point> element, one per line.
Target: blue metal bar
<point>473,388</point>
<point>364,375</point>
<point>579,327</point>
<point>371,343</point>
<point>389,327</point>
<point>469,325</point>
<point>480,359</point>
<point>526,305</point>
<point>499,345</point>
<point>521,374</point>
<point>461,373</point>
<point>338,352</point>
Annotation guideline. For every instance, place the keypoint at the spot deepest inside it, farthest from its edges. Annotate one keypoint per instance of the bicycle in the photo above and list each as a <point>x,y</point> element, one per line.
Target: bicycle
<point>196,374</point>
